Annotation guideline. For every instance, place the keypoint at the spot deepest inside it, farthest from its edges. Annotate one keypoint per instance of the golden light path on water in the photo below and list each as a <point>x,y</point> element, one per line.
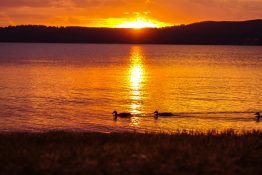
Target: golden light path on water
<point>76,87</point>
<point>136,78</point>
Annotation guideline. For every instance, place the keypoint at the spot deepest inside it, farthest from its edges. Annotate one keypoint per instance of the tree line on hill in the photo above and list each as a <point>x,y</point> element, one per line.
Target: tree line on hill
<point>209,32</point>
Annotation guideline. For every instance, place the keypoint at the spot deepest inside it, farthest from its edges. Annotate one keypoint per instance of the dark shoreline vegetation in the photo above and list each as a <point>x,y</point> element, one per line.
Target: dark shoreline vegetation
<point>205,33</point>
<point>131,153</point>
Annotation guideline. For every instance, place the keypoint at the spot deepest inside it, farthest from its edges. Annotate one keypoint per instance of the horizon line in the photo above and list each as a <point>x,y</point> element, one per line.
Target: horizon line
<point>174,25</point>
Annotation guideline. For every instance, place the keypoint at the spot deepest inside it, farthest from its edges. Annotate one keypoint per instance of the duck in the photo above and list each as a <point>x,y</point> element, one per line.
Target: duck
<point>122,115</point>
<point>258,116</point>
<point>166,114</point>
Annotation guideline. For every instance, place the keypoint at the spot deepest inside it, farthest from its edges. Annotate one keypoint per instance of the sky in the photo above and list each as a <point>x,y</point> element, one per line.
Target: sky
<point>125,13</point>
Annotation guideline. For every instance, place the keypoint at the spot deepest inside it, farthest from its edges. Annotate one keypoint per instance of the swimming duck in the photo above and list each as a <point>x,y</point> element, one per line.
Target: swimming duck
<point>162,114</point>
<point>258,116</point>
<point>122,115</point>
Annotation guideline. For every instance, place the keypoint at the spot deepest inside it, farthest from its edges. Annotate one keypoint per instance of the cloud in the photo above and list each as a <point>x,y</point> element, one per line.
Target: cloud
<point>25,3</point>
<point>74,3</point>
<point>5,19</point>
<point>96,3</point>
<point>66,12</point>
<point>186,11</point>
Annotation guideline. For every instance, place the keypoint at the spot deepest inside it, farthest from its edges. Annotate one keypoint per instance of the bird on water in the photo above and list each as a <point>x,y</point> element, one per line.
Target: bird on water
<point>258,116</point>
<point>122,115</point>
<point>166,114</point>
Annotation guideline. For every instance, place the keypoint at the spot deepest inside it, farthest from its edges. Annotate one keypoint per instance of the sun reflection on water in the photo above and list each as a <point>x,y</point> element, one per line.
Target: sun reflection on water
<point>136,76</point>
<point>137,80</point>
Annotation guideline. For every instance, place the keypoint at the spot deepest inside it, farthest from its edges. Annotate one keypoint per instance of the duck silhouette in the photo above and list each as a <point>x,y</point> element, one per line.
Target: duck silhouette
<point>258,116</point>
<point>165,114</point>
<point>122,115</point>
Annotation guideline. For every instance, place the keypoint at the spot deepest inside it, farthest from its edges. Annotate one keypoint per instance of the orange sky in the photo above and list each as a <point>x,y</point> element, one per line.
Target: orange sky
<point>115,13</point>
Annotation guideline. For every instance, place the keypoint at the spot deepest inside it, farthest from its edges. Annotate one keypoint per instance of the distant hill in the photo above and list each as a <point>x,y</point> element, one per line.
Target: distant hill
<point>209,32</point>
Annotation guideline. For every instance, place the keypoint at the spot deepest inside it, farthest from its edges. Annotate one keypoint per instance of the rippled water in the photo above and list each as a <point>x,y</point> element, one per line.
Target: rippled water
<point>77,86</point>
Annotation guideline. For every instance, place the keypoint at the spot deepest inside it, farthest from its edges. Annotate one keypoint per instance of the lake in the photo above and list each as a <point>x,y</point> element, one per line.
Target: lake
<point>76,87</point>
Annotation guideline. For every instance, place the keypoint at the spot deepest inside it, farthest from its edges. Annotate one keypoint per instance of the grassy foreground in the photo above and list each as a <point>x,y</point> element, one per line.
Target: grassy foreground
<point>131,153</point>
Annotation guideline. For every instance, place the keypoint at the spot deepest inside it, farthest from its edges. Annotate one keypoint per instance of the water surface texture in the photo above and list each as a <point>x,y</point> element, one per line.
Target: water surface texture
<point>77,86</point>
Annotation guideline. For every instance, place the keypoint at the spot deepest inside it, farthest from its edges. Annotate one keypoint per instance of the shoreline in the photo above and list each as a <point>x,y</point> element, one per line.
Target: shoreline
<point>131,153</point>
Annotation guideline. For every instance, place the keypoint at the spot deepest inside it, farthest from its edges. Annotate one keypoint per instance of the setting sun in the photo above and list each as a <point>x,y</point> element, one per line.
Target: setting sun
<point>141,23</point>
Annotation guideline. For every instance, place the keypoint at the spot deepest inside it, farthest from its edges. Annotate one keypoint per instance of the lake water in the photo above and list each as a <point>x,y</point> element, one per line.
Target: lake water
<point>77,86</point>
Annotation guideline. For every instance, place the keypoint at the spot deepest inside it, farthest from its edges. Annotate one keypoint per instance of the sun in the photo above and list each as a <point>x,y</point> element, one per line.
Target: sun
<point>139,23</point>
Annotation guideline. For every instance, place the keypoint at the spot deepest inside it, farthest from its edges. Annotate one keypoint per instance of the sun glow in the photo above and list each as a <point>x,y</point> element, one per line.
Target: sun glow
<point>140,23</point>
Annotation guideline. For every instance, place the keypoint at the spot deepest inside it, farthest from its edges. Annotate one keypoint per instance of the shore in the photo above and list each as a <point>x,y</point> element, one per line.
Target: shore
<point>131,153</point>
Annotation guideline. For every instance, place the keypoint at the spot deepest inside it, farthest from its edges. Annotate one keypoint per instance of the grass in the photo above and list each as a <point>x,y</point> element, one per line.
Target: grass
<point>131,153</point>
